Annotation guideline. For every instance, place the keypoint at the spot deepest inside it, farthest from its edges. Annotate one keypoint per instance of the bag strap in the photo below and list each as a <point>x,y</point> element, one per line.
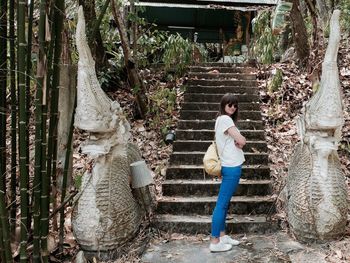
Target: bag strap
<point>216,149</point>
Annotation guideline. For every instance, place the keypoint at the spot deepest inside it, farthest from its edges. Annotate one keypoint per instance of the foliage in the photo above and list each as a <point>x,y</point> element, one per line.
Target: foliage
<point>276,81</point>
<point>162,102</point>
<point>309,26</point>
<point>265,44</point>
<point>203,51</point>
<point>177,53</point>
<point>345,15</point>
<point>149,46</point>
<point>78,179</point>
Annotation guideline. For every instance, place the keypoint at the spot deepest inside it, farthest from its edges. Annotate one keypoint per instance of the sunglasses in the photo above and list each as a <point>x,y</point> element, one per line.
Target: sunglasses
<point>231,104</point>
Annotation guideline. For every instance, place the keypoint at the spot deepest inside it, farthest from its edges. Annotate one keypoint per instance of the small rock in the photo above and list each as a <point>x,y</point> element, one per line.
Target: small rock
<point>80,258</point>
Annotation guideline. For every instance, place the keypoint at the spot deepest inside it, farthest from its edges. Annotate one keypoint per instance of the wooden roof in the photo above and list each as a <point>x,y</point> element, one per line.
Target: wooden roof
<point>205,17</point>
<point>208,3</point>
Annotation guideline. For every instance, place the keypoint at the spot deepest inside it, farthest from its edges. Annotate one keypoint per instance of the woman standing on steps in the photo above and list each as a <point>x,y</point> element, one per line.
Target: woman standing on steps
<point>229,143</point>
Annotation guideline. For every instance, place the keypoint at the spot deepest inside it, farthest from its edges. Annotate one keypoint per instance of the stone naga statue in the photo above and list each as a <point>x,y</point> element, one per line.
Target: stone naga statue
<point>317,198</point>
<point>106,214</point>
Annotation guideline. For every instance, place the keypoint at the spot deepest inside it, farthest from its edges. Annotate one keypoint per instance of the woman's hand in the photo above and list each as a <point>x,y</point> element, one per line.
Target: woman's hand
<point>240,146</point>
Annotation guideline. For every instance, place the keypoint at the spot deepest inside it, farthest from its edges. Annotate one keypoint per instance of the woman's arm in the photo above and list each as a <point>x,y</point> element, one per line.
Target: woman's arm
<point>240,140</point>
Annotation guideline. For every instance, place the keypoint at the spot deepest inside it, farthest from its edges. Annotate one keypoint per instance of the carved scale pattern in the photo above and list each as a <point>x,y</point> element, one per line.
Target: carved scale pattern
<point>106,214</point>
<point>305,199</point>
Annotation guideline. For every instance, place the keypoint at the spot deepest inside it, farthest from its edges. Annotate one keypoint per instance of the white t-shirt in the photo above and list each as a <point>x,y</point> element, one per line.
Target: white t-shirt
<point>230,155</point>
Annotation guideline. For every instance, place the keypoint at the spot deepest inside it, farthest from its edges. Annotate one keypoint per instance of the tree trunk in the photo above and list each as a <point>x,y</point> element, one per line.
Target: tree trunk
<point>68,79</point>
<point>312,8</point>
<point>66,171</point>
<point>324,12</point>
<point>93,35</point>
<point>300,37</point>
<point>134,78</point>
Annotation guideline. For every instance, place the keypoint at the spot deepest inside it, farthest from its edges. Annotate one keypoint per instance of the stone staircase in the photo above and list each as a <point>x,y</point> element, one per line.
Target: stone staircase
<point>189,197</point>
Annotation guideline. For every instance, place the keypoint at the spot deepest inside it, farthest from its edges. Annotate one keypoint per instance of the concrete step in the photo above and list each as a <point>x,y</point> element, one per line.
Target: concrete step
<point>235,224</point>
<point>196,158</point>
<point>226,64</point>
<point>211,115</point>
<point>215,106</point>
<point>223,69</point>
<point>206,135</point>
<point>211,187</point>
<point>207,97</point>
<point>196,172</point>
<point>222,76</point>
<point>253,205</point>
<point>194,145</point>
<point>210,124</point>
<point>221,82</point>
<point>222,90</point>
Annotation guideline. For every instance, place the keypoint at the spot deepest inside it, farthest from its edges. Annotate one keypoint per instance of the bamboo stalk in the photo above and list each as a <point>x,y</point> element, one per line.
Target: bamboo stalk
<point>45,179</point>
<point>5,248</point>
<point>65,176</point>
<point>45,182</point>
<point>28,97</point>
<point>29,50</point>
<point>69,198</point>
<point>41,71</point>
<point>13,207</point>
<point>54,175</point>
<point>2,250</point>
<point>4,223</point>
<point>24,177</point>
<point>3,85</point>
<point>57,29</point>
<point>5,231</point>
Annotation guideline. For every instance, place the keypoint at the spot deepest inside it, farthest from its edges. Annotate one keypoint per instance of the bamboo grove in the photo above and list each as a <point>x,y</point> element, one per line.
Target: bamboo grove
<point>29,85</point>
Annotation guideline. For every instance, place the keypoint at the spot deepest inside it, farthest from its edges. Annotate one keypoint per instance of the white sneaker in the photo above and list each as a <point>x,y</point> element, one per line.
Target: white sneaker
<point>228,240</point>
<point>219,247</point>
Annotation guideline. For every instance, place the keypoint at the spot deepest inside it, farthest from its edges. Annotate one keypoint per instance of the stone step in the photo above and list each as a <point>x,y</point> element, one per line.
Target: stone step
<point>211,187</point>
<point>193,145</point>
<point>227,64</point>
<point>197,158</point>
<point>215,106</point>
<point>221,82</point>
<point>210,124</point>
<point>223,69</point>
<point>221,76</point>
<point>252,205</point>
<point>207,97</point>
<point>196,172</point>
<point>211,115</point>
<point>194,224</point>
<point>206,135</point>
<point>222,90</point>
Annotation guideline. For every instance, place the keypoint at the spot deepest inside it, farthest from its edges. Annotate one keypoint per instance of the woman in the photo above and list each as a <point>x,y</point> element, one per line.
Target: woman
<point>229,143</point>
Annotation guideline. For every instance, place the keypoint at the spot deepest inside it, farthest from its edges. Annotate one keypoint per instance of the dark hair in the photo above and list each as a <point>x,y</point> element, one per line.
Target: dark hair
<point>229,98</point>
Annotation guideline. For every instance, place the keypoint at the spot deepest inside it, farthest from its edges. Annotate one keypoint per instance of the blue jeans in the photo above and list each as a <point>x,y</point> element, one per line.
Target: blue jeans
<point>230,181</point>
